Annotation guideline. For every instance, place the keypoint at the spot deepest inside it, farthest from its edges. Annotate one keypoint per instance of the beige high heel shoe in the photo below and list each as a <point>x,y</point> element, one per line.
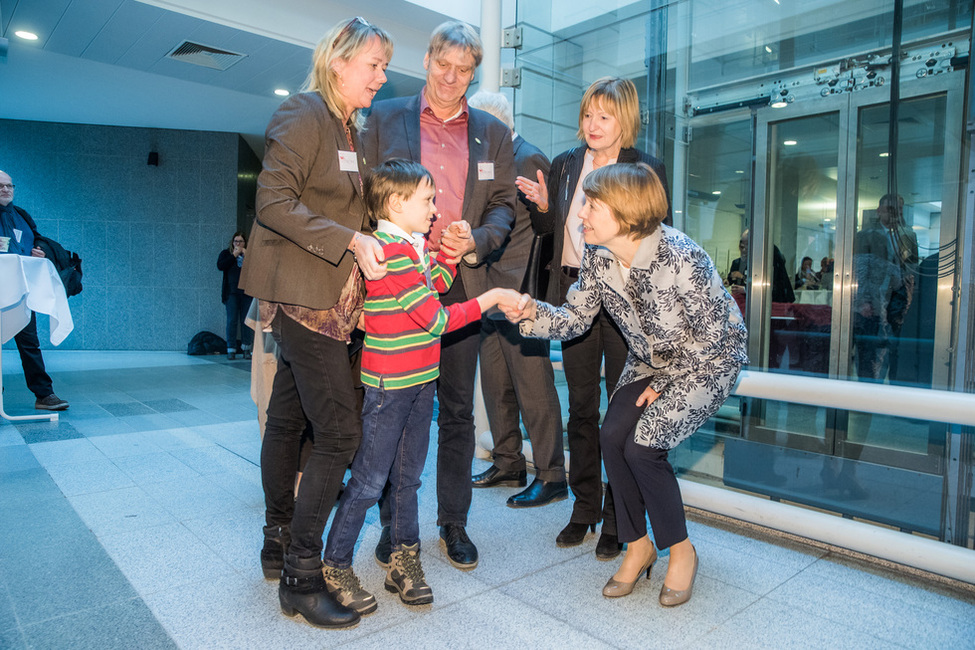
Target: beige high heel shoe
<point>673,597</point>
<point>616,589</point>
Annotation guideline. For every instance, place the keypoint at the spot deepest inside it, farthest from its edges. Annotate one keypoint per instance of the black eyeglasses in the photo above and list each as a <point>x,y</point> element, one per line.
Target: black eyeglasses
<point>7,186</point>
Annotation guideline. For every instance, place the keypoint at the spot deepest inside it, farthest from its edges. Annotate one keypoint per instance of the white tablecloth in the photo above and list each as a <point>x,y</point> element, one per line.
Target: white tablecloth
<point>31,284</point>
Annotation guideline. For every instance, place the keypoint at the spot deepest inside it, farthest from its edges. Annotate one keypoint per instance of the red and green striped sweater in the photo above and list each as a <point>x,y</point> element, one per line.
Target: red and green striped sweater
<point>404,318</point>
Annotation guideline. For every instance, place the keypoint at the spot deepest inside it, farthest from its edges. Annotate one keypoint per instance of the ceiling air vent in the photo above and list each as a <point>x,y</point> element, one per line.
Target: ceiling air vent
<point>204,55</point>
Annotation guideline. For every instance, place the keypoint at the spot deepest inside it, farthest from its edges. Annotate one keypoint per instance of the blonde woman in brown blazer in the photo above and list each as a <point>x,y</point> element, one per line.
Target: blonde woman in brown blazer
<point>308,244</point>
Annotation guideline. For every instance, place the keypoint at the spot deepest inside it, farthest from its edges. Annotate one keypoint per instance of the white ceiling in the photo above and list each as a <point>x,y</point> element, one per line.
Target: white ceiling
<point>104,61</point>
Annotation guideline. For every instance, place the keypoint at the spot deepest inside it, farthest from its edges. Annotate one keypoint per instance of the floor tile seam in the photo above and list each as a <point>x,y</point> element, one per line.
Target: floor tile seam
<point>13,610</point>
<point>804,606</point>
<point>110,603</point>
<point>908,582</point>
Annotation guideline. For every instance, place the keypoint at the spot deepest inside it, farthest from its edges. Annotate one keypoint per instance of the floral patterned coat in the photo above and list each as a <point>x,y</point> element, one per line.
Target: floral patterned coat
<point>683,329</point>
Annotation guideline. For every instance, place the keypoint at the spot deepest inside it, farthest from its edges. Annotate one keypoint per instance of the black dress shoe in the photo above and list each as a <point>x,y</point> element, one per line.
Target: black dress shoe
<point>493,476</point>
<point>540,493</point>
<point>459,548</point>
<point>573,534</point>
<point>608,547</point>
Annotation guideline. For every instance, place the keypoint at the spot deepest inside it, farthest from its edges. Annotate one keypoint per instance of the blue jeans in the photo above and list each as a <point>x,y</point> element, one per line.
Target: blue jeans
<point>395,439</point>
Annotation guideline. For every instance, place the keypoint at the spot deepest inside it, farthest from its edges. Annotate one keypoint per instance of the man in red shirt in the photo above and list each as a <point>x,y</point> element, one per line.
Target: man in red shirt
<point>470,155</point>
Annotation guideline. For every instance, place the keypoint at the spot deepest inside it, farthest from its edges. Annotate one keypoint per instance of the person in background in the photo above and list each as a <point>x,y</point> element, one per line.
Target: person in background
<point>806,278</point>
<point>230,260</point>
<point>516,372</point>
<point>309,242</point>
<point>686,341</point>
<point>470,156</point>
<point>19,227</point>
<point>609,123</point>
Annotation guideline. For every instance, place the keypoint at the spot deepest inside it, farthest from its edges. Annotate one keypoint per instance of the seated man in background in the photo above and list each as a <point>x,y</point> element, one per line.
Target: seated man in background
<point>18,226</point>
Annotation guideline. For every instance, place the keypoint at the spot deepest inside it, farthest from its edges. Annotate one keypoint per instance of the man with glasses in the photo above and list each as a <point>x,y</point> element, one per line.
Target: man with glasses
<point>470,155</point>
<point>19,229</point>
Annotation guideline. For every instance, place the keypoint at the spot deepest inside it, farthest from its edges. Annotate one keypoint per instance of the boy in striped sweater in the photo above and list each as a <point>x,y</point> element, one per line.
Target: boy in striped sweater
<point>400,363</point>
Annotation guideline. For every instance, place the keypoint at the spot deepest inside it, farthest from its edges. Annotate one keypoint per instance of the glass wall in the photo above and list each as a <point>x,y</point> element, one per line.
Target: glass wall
<point>789,157</point>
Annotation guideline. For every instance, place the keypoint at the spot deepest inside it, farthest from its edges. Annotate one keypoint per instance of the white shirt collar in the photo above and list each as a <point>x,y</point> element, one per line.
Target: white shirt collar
<point>387,226</point>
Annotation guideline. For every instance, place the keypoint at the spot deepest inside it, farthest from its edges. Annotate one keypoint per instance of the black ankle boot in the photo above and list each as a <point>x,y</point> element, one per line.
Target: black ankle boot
<point>276,542</point>
<point>303,591</point>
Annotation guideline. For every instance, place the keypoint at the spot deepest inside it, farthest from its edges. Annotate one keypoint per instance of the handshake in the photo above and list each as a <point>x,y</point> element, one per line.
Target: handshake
<point>515,306</point>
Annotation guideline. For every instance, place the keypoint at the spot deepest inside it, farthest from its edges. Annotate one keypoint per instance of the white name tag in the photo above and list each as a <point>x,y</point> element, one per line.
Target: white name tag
<point>18,234</point>
<point>348,162</point>
<point>485,171</point>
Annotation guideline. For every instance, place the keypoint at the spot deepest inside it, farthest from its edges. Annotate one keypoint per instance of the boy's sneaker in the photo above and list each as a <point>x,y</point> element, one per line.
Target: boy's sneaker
<point>344,585</point>
<point>405,577</point>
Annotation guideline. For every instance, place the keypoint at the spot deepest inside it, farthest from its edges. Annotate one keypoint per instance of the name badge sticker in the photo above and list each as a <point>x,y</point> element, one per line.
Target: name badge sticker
<point>485,171</point>
<point>18,234</point>
<point>348,162</point>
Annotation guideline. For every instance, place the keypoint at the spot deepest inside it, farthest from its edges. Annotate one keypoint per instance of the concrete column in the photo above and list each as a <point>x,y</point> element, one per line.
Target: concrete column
<point>491,40</point>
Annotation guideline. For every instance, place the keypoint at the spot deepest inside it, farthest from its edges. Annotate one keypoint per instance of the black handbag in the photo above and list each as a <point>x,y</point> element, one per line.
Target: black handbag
<point>537,275</point>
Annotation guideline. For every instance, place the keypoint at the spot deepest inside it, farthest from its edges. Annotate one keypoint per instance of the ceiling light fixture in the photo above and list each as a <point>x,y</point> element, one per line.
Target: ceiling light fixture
<point>716,192</point>
<point>780,104</point>
<point>27,36</point>
<point>281,92</point>
<point>790,143</point>
<point>768,49</point>
<point>884,155</point>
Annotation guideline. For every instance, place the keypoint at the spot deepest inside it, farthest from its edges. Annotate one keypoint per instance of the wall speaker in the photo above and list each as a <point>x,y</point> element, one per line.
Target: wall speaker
<point>153,158</point>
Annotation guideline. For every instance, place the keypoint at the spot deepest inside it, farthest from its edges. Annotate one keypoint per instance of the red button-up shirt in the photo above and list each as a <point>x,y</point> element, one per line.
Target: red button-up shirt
<point>444,151</point>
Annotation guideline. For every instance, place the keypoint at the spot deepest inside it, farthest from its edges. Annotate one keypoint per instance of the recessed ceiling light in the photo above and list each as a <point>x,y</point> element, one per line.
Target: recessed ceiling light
<point>716,192</point>
<point>790,143</point>
<point>739,171</point>
<point>884,155</point>
<point>768,49</point>
<point>780,104</point>
<point>27,36</point>
<point>281,92</point>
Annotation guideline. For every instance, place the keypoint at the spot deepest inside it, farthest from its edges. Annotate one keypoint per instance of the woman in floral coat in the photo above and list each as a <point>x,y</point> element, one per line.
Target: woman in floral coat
<point>686,343</point>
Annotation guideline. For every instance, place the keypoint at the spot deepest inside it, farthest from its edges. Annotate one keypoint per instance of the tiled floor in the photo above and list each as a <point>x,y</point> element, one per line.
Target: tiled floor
<point>134,522</point>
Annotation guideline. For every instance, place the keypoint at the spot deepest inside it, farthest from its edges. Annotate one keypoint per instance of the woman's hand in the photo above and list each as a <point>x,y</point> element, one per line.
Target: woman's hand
<point>647,397</point>
<point>369,256</point>
<point>537,192</point>
<point>524,308</point>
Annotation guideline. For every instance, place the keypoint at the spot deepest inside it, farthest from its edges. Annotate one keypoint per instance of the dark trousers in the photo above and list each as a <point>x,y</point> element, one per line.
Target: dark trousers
<point>237,306</point>
<point>643,480</point>
<point>582,358</point>
<point>29,346</point>
<point>518,380</point>
<point>314,380</point>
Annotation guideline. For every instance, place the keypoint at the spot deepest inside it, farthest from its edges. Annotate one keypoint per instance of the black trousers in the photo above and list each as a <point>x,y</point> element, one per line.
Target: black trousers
<point>314,380</point>
<point>643,480</point>
<point>582,358</point>
<point>29,347</point>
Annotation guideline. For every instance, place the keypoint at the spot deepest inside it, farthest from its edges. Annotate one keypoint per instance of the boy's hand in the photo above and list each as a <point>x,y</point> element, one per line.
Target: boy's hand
<point>518,307</point>
<point>457,237</point>
<point>496,296</point>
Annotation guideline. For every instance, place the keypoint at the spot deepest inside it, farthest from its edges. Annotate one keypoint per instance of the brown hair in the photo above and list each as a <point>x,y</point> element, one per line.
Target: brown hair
<point>633,193</point>
<point>396,176</point>
<point>239,233</point>
<point>344,41</point>
<point>617,97</point>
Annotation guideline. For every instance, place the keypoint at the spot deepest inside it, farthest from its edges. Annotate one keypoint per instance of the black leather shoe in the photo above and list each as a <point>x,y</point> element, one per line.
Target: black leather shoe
<point>573,534</point>
<point>303,591</point>
<point>540,493</point>
<point>493,476</point>
<point>459,548</point>
<point>608,547</point>
<point>384,548</point>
